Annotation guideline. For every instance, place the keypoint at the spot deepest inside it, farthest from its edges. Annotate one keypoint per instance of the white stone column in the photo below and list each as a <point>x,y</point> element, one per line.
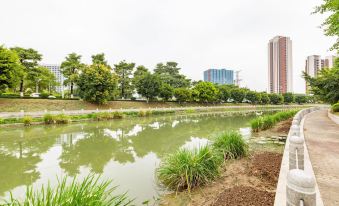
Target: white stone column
<point>296,152</point>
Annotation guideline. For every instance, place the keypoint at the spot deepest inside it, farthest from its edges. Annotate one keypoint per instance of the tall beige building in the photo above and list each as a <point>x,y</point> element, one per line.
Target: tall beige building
<point>280,77</point>
<point>313,65</point>
<point>329,61</point>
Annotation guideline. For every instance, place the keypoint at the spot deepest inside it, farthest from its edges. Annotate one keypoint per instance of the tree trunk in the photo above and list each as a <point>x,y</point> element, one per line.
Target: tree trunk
<point>72,90</point>
<point>22,88</point>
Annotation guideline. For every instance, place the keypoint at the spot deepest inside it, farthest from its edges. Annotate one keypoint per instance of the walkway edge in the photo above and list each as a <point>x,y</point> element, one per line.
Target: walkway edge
<point>333,117</point>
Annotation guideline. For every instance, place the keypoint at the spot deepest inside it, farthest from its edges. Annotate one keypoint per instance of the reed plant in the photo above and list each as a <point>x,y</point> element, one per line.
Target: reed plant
<point>118,115</point>
<point>48,119</point>
<point>27,120</point>
<point>186,168</point>
<point>268,121</point>
<point>62,119</point>
<point>90,192</point>
<point>230,145</point>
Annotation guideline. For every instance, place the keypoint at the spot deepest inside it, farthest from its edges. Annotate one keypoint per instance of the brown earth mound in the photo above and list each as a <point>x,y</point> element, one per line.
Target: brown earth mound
<point>244,196</point>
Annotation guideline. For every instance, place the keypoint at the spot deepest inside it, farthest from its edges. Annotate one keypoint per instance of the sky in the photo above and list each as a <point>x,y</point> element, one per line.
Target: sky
<point>198,34</point>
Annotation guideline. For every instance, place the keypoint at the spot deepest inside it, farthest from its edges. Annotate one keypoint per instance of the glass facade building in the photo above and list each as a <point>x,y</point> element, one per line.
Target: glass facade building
<point>219,76</point>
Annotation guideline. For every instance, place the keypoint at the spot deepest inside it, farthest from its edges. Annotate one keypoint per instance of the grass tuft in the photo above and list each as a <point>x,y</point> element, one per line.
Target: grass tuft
<point>268,121</point>
<point>27,120</point>
<point>231,145</point>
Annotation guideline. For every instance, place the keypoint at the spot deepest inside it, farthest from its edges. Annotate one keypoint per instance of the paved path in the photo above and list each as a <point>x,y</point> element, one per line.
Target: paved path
<point>322,140</point>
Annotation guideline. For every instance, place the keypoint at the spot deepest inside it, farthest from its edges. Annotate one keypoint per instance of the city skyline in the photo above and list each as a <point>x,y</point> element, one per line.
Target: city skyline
<point>138,32</point>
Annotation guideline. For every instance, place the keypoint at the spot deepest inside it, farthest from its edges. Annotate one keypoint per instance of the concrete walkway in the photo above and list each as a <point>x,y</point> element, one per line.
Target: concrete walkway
<point>322,140</point>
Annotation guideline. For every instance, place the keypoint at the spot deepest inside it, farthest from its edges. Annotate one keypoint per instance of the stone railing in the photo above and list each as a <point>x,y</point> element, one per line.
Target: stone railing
<point>297,184</point>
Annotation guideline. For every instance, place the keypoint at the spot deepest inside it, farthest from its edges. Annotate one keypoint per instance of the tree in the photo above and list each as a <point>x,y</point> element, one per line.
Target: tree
<point>99,59</point>
<point>238,94</point>
<point>205,92</point>
<point>10,68</point>
<point>182,94</point>
<point>149,86</point>
<point>166,91</point>
<point>264,98</point>
<point>300,99</point>
<point>124,71</point>
<point>29,59</point>
<point>276,98</point>
<point>326,84</point>
<point>170,74</point>
<point>331,24</point>
<point>253,97</point>
<point>288,97</point>
<point>71,68</point>
<point>41,77</point>
<point>224,92</point>
<point>97,83</point>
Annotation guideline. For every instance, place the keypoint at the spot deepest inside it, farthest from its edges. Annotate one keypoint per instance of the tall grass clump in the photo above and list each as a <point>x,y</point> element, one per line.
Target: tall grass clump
<point>89,192</point>
<point>27,120</point>
<point>268,121</point>
<point>103,116</point>
<point>48,119</point>
<point>62,119</point>
<point>186,168</point>
<point>231,145</point>
<point>118,115</point>
<point>145,113</point>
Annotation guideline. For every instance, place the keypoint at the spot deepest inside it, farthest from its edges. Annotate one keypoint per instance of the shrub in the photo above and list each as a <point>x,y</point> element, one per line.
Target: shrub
<point>133,98</point>
<point>276,98</point>
<point>144,113</point>
<point>44,94</point>
<point>231,145</point>
<point>2,121</point>
<point>103,116</point>
<point>90,192</point>
<point>27,120</point>
<point>118,115</point>
<point>48,119</point>
<point>190,111</point>
<point>335,107</point>
<point>62,119</point>
<point>268,121</point>
<point>189,168</point>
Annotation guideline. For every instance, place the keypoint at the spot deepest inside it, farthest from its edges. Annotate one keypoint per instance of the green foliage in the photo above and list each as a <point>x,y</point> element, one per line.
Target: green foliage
<point>90,192</point>
<point>264,98</point>
<point>166,91</point>
<point>301,99</point>
<point>231,145</point>
<point>268,121</point>
<point>118,115</point>
<point>289,97</point>
<point>189,168</point>
<point>335,107</point>
<point>44,94</point>
<point>41,78</point>
<point>97,84</point>
<point>254,97</point>
<point>224,92</point>
<point>61,119</point>
<point>205,92</point>
<point>48,119</point>
<point>276,98</point>
<point>71,68</point>
<point>149,86</point>
<point>99,59</point>
<point>124,72</point>
<point>326,83</point>
<point>27,120</point>
<point>182,94</point>
<point>10,69</point>
<point>145,113</point>
<point>169,73</point>
<point>238,95</point>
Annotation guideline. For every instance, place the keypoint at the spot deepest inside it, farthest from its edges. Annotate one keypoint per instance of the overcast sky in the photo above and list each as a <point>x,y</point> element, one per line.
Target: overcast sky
<point>198,34</point>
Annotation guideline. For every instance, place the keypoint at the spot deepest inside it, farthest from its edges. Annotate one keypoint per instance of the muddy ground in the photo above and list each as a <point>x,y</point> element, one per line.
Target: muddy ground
<point>248,181</point>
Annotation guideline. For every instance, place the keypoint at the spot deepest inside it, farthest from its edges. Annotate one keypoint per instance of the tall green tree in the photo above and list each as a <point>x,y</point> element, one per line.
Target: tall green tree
<point>97,84</point>
<point>205,92</point>
<point>170,74</point>
<point>288,97</point>
<point>182,94</point>
<point>224,92</point>
<point>331,23</point>
<point>99,59</point>
<point>238,94</point>
<point>264,98</point>
<point>29,59</point>
<point>253,96</point>
<point>276,98</point>
<point>166,91</point>
<point>41,77</point>
<point>10,69</point>
<point>149,86</point>
<point>124,71</point>
<point>71,68</point>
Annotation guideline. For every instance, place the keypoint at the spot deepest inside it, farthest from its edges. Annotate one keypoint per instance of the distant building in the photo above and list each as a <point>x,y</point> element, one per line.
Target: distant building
<point>219,76</point>
<point>56,70</point>
<point>280,65</point>
<point>329,61</point>
<point>313,65</point>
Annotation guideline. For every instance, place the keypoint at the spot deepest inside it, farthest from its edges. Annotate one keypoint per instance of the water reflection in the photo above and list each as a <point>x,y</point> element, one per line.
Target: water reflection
<point>126,150</point>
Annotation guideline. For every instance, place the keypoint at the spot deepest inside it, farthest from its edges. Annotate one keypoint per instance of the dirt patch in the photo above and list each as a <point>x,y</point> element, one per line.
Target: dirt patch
<point>283,126</point>
<point>243,196</point>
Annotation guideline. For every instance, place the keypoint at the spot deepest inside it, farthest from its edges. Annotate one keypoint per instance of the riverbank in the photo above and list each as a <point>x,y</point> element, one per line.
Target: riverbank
<point>248,181</point>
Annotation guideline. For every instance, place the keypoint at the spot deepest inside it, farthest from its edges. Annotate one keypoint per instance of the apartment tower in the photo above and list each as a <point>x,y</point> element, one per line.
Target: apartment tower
<point>219,76</point>
<point>280,65</point>
<point>313,65</point>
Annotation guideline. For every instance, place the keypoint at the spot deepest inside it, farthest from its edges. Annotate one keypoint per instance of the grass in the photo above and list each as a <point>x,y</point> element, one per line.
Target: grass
<point>186,169</point>
<point>27,120</point>
<point>89,192</point>
<point>231,145</point>
<point>268,121</point>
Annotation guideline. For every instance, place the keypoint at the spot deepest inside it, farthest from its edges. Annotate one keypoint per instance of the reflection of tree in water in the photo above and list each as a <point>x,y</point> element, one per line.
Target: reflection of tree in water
<point>95,150</point>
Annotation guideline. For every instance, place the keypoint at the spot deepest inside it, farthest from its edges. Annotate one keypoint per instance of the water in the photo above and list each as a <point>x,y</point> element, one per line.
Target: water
<point>127,151</point>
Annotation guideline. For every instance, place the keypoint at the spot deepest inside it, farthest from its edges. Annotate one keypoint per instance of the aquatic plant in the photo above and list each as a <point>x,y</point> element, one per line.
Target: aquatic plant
<point>118,115</point>
<point>231,145</point>
<point>89,192</point>
<point>186,168</point>
<point>27,120</point>
<point>62,119</point>
<point>48,119</point>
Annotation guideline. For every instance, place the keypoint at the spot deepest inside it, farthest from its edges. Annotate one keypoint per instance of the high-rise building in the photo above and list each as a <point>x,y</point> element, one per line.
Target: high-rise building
<point>280,65</point>
<point>56,70</point>
<point>329,61</point>
<point>219,76</point>
<point>313,65</point>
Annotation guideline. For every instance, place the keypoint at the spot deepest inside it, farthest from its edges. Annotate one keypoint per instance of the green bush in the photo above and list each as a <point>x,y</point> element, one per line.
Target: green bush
<point>103,116</point>
<point>335,107</point>
<point>144,113</point>
<point>48,119</point>
<point>189,168</point>
<point>268,121</point>
<point>27,120</point>
<point>2,121</point>
<point>62,119</point>
<point>90,192</point>
<point>44,94</point>
<point>231,145</point>
<point>118,115</point>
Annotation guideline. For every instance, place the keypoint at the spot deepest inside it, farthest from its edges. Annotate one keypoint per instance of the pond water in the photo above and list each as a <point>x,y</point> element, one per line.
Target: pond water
<point>126,151</point>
